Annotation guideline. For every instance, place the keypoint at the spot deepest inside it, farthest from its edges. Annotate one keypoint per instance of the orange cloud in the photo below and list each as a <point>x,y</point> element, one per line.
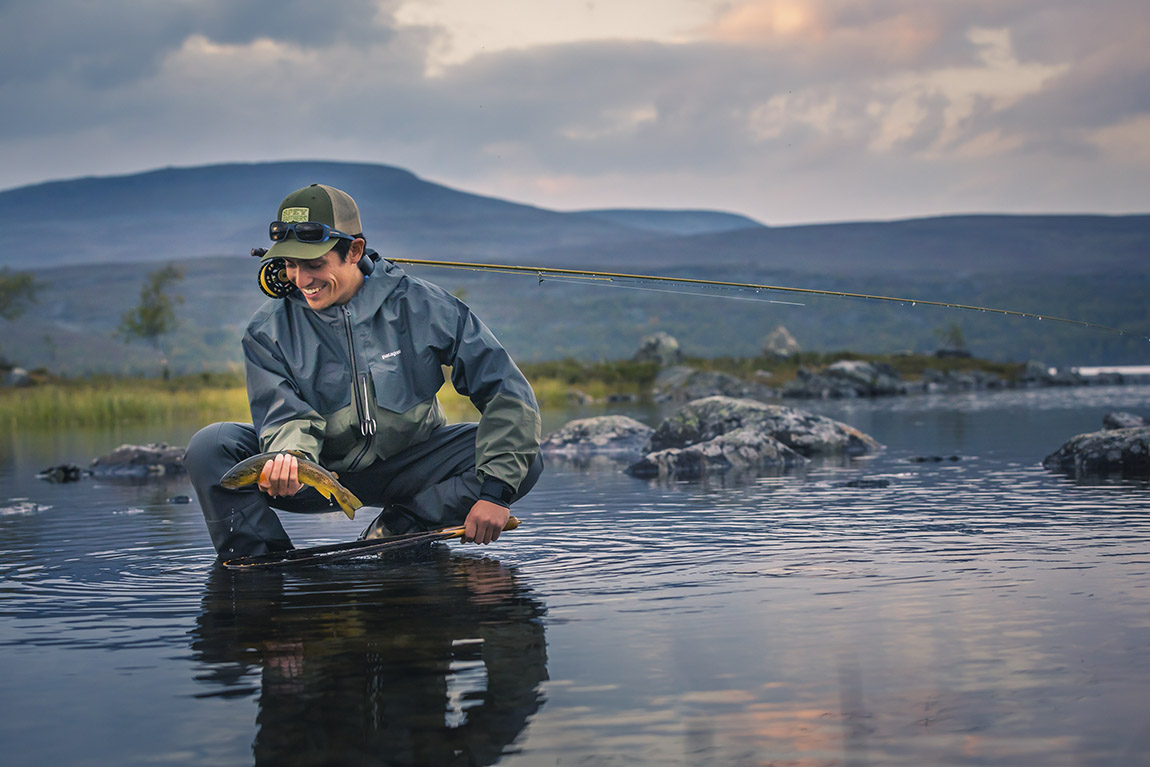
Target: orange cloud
<point>758,20</point>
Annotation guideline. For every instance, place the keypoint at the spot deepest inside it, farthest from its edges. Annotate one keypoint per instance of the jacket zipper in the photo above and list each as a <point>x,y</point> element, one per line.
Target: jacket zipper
<point>359,393</point>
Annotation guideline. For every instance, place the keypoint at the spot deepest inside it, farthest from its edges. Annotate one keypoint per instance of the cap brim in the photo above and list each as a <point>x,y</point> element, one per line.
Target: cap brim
<point>293,248</point>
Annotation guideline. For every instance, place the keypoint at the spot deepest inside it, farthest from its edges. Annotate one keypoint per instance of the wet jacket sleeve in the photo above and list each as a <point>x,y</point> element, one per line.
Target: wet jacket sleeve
<point>281,417</point>
<point>509,426</point>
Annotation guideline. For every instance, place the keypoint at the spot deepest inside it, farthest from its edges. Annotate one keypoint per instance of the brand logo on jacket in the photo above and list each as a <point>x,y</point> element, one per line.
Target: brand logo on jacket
<point>389,355</point>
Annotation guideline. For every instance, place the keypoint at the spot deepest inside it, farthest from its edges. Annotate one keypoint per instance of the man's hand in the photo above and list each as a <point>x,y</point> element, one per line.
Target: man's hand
<point>485,522</point>
<point>280,476</point>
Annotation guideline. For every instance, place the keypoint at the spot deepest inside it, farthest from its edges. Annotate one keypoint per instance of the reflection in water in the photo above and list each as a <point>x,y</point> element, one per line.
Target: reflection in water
<point>437,661</point>
<point>973,612</point>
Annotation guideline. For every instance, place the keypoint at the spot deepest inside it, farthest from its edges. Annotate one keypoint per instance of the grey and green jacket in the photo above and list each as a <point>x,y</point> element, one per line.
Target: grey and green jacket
<point>353,384</point>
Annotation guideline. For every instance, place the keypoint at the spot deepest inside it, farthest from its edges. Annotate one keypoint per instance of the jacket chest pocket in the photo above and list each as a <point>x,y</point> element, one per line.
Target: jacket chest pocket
<point>402,379</point>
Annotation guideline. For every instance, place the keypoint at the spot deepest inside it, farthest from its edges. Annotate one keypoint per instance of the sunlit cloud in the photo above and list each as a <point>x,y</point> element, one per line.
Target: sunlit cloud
<point>786,110</point>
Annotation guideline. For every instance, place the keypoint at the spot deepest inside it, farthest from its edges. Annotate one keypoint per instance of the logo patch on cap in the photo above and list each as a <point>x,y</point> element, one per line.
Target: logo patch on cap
<point>295,215</point>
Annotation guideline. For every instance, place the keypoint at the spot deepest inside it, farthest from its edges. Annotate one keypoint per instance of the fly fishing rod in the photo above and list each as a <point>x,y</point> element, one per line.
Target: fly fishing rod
<point>616,279</point>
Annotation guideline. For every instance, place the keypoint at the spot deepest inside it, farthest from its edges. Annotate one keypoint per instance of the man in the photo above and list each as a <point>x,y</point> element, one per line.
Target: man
<point>345,370</point>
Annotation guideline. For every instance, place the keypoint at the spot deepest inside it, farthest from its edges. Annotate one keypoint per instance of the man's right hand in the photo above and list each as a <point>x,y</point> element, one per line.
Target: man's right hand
<point>280,476</point>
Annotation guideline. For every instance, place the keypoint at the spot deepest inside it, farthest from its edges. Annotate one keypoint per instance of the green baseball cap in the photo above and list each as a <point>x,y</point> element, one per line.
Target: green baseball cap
<point>322,205</point>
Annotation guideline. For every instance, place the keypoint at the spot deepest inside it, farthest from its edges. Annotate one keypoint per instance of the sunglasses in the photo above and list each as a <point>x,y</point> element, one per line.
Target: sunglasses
<point>305,231</point>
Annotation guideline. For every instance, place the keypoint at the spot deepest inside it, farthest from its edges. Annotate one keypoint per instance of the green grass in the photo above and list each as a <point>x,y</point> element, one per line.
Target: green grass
<point>109,401</point>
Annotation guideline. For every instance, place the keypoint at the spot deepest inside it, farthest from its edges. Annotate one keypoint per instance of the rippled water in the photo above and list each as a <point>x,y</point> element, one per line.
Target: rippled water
<point>973,611</point>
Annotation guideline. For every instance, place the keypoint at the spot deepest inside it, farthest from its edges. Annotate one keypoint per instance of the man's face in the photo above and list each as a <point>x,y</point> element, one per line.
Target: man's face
<point>325,281</point>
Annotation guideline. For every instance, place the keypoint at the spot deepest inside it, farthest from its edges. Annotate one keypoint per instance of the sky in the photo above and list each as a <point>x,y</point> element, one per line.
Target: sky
<point>788,111</point>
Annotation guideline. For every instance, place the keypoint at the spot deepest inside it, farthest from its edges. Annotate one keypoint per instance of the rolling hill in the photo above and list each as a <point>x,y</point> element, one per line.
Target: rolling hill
<point>106,234</point>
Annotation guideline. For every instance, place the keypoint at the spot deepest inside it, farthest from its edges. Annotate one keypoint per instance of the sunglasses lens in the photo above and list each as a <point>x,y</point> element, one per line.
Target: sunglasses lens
<point>309,231</point>
<point>278,230</point>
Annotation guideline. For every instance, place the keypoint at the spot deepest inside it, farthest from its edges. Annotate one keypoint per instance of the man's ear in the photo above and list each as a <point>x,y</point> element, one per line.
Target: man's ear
<point>355,252</point>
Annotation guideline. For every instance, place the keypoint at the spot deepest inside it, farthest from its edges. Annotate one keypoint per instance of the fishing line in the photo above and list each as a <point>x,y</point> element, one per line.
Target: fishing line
<point>610,277</point>
<point>612,284</point>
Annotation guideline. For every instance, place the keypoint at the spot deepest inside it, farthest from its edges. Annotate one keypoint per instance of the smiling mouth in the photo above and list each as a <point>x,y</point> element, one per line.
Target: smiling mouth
<point>310,291</point>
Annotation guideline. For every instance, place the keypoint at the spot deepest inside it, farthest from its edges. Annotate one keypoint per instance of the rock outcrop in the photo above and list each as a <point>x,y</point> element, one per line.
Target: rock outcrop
<point>1107,453</point>
<point>721,434</point>
<point>139,462</point>
<point>684,384</point>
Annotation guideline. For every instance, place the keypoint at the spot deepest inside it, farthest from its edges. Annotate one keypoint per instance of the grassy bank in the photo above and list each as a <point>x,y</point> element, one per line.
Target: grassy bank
<point>109,401</point>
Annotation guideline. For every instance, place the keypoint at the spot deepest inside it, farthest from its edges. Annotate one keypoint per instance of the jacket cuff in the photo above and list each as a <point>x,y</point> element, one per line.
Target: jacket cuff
<point>496,491</point>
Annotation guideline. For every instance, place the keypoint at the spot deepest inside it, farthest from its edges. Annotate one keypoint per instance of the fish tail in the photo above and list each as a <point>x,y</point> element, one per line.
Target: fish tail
<point>348,502</point>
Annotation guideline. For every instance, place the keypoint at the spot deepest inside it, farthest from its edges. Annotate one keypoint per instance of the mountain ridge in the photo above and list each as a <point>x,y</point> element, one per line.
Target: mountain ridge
<point>112,231</point>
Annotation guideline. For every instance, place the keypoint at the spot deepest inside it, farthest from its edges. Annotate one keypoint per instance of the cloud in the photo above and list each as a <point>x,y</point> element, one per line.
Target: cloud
<point>784,109</point>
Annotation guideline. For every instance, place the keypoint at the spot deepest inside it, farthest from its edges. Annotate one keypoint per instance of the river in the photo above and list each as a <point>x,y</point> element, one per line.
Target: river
<point>975,610</point>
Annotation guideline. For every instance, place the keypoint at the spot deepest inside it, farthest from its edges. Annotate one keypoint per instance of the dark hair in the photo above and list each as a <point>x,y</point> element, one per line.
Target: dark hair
<point>342,246</point>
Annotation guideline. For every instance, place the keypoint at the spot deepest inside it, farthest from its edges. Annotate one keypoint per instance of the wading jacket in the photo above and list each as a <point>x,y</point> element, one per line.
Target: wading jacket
<point>353,384</point>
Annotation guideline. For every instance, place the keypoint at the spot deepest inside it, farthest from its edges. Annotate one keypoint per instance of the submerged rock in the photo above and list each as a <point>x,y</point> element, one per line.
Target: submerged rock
<point>867,483</point>
<point>1111,452</point>
<point>65,472</point>
<point>139,462</point>
<point>721,434</point>
<point>606,434</point>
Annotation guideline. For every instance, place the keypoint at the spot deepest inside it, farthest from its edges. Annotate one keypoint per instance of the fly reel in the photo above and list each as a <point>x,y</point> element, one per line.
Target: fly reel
<point>272,276</point>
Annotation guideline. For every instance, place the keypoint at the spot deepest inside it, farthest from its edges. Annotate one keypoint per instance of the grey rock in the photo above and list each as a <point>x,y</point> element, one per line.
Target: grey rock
<point>1121,420</point>
<point>139,462</point>
<point>683,384</point>
<point>780,343</point>
<point>1113,452</point>
<point>868,379</point>
<point>867,483</point>
<point>65,472</point>
<point>606,434</point>
<point>18,378</point>
<point>578,398</point>
<point>1035,371</point>
<point>742,450</point>
<point>811,385</point>
<point>662,348</point>
<point>804,432</point>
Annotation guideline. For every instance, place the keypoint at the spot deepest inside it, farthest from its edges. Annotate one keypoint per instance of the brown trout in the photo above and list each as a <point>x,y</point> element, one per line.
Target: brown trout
<point>247,472</point>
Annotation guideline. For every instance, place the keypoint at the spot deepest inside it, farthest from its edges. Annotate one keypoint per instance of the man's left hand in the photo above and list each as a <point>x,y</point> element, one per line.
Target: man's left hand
<point>485,521</point>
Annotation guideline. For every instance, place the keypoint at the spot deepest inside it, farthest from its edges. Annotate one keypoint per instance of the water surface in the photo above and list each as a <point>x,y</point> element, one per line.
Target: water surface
<point>975,611</point>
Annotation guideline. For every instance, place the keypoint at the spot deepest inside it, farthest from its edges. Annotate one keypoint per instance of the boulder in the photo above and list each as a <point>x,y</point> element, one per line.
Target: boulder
<point>1120,420</point>
<point>139,462</point>
<point>741,450</point>
<point>869,379</point>
<point>811,385</point>
<point>722,434</point>
<point>684,384</point>
<point>605,434</point>
<point>1113,452</point>
<point>845,379</point>
<point>806,433</point>
<point>780,344</point>
<point>661,348</point>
